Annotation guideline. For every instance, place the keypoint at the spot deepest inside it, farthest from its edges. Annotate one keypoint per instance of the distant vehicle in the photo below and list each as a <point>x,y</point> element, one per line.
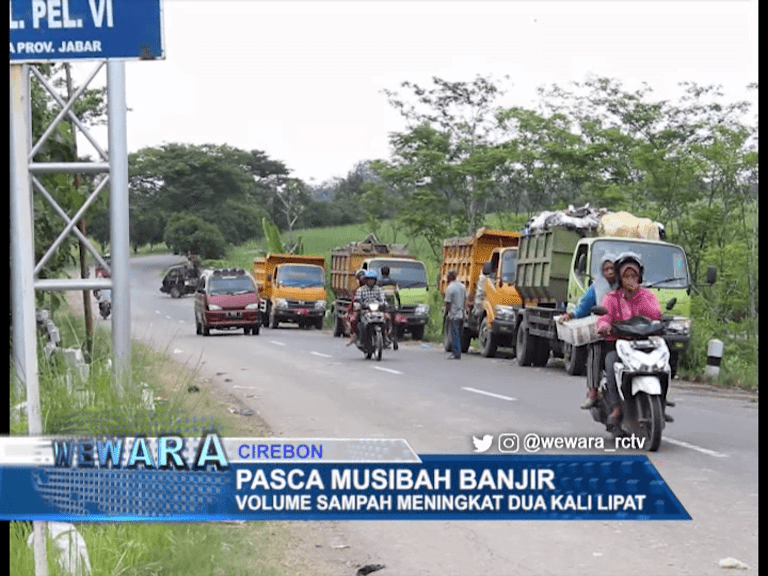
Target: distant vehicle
<point>102,272</point>
<point>225,299</point>
<point>179,281</point>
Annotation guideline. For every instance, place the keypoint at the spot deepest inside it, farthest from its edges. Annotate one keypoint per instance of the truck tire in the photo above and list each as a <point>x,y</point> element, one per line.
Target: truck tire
<point>541,347</point>
<point>466,338</point>
<point>417,332</point>
<point>273,321</point>
<point>524,346</point>
<point>338,327</point>
<point>575,359</point>
<point>488,341</point>
<point>319,323</point>
<point>447,345</point>
<point>265,316</point>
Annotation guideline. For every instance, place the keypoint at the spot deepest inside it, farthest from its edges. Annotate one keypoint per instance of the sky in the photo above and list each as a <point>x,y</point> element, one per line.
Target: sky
<point>303,81</point>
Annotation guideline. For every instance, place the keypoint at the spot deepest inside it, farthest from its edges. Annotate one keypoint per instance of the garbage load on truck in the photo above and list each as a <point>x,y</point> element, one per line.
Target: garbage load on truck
<point>487,265</point>
<point>292,289</point>
<point>558,263</point>
<point>409,274</point>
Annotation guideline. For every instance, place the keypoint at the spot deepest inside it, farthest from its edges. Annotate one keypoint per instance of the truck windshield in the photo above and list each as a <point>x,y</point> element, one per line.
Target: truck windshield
<point>406,273</point>
<point>509,266</point>
<point>300,276</point>
<point>230,285</point>
<point>665,265</point>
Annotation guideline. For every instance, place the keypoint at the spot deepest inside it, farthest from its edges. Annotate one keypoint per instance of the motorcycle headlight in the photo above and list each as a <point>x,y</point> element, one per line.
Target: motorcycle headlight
<point>214,307</point>
<point>504,312</point>
<point>680,325</point>
<point>320,305</point>
<point>373,306</point>
<point>252,306</point>
<point>281,303</point>
<point>422,310</point>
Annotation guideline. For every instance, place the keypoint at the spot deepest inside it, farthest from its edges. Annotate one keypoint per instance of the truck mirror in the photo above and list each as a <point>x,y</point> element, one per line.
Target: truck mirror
<point>711,275</point>
<point>581,265</point>
<point>488,268</point>
<point>671,303</point>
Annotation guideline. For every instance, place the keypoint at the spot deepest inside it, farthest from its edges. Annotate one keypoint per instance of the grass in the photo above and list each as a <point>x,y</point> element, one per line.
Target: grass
<point>91,406</point>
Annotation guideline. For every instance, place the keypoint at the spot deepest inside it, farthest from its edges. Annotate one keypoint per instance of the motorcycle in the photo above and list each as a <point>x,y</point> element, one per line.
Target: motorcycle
<point>104,298</point>
<point>371,330</point>
<point>642,378</point>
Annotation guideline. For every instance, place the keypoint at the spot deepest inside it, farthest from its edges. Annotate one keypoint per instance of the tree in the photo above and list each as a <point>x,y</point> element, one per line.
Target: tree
<point>187,233</point>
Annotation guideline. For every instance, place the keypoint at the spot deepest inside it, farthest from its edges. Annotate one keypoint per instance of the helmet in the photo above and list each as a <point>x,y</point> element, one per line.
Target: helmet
<point>626,258</point>
<point>371,274</point>
<point>360,274</point>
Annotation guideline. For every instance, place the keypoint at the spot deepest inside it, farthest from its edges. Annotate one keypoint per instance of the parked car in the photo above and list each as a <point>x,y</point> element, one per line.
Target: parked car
<point>226,299</point>
<point>179,281</point>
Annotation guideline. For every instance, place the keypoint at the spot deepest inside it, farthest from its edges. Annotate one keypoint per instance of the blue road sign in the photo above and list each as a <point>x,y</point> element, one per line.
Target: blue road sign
<point>51,30</point>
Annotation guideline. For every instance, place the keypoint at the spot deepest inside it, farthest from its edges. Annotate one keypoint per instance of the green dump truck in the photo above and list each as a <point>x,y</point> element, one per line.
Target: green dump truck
<point>556,267</point>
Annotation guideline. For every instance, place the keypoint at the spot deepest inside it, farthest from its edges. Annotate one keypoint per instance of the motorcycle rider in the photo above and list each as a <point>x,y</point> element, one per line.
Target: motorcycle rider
<point>587,302</point>
<point>351,312</point>
<point>624,303</point>
<point>368,293</point>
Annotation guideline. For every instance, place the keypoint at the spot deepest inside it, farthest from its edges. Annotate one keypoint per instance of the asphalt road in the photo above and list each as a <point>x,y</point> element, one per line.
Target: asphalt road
<point>306,383</point>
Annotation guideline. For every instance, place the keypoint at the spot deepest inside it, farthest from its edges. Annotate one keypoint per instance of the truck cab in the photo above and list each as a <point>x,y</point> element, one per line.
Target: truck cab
<point>410,276</point>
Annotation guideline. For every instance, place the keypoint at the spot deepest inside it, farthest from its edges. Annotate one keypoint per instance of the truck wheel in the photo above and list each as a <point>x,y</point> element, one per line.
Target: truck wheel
<point>273,322</point>
<point>265,316</point>
<point>417,332</point>
<point>319,323</point>
<point>524,347</point>
<point>488,342</point>
<point>575,359</point>
<point>338,327</point>
<point>447,345</point>
<point>541,350</point>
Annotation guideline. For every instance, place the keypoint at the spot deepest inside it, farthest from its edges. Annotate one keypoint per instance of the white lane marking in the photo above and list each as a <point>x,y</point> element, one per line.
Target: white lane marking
<point>697,448</point>
<point>321,354</point>
<point>181,321</point>
<point>490,394</point>
<point>278,343</point>
<point>178,351</point>
<point>245,387</point>
<point>169,318</point>
<point>157,312</point>
<point>387,370</point>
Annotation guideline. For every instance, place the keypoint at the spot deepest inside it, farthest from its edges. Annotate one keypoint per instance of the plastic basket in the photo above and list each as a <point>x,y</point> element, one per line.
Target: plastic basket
<point>578,332</point>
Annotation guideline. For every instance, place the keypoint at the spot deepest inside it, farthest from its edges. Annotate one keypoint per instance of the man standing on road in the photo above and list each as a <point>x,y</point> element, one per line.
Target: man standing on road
<point>455,302</point>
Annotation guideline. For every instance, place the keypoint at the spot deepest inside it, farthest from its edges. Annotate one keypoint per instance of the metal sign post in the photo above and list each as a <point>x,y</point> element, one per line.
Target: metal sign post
<point>62,31</point>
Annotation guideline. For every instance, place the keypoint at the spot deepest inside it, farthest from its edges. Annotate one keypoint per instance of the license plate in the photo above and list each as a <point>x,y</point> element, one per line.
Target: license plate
<point>401,319</point>
<point>302,311</point>
<point>233,314</point>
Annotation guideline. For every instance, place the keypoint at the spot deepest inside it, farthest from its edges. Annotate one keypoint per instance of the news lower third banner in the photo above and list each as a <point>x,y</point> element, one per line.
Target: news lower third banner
<point>172,478</point>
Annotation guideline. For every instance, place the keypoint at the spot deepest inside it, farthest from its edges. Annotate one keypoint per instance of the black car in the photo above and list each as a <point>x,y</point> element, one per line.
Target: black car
<point>179,281</point>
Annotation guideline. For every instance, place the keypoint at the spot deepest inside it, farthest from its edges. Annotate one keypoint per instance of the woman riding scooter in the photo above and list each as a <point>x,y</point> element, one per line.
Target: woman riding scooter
<point>628,301</point>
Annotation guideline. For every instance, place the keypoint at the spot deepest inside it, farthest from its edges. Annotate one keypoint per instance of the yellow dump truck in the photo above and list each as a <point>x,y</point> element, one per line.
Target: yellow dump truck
<point>292,289</point>
<point>408,273</point>
<point>487,265</point>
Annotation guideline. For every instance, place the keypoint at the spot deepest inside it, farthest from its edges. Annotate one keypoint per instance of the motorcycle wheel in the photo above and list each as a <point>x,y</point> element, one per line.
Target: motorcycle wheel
<point>650,417</point>
<point>379,344</point>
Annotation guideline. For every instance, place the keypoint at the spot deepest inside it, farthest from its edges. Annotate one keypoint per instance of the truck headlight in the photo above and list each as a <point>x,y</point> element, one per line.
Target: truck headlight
<point>252,306</point>
<point>422,310</point>
<point>504,312</point>
<point>320,305</point>
<point>680,325</point>
<point>281,303</point>
<point>214,307</point>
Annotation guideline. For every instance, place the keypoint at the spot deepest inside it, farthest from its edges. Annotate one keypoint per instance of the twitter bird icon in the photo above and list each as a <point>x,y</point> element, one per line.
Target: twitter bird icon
<point>482,444</point>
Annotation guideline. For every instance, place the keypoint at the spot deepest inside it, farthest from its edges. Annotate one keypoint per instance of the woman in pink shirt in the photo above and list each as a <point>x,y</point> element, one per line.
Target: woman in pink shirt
<point>628,301</point>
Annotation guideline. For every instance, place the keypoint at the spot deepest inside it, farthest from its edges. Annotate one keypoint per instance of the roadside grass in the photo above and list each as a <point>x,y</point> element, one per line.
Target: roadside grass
<point>181,399</point>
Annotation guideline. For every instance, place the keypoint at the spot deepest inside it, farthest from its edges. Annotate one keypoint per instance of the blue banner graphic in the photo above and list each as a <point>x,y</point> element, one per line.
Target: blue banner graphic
<point>199,483</point>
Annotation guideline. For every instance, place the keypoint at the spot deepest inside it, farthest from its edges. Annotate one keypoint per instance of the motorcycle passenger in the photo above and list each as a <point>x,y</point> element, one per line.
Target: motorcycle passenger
<point>589,301</point>
<point>628,301</point>
<point>351,312</point>
<point>392,294</point>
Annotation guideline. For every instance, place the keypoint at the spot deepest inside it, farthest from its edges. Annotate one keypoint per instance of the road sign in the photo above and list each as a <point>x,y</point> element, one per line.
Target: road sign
<point>53,30</point>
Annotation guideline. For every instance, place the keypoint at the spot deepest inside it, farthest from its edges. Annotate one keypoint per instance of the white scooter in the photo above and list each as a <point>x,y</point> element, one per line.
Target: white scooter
<point>642,378</point>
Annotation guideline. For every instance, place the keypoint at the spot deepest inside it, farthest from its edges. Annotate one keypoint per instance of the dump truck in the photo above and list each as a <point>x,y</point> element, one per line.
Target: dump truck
<point>292,289</point>
<point>408,273</point>
<point>486,264</point>
<point>556,266</point>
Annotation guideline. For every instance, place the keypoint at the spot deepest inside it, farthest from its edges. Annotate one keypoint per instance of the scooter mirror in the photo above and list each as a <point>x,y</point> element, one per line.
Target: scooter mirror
<point>599,310</point>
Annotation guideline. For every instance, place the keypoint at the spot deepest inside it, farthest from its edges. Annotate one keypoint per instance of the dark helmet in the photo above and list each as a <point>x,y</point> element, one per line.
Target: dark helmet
<point>360,274</point>
<point>629,258</point>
